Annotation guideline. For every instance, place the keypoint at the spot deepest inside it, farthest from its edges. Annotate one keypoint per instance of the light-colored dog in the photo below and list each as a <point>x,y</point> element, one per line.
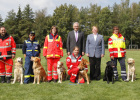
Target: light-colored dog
<point>61,71</point>
<point>18,70</point>
<point>131,70</point>
<point>82,71</point>
<point>39,72</point>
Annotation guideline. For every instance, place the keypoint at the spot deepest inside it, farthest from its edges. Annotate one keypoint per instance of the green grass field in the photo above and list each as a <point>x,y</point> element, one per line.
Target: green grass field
<point>96,90</point>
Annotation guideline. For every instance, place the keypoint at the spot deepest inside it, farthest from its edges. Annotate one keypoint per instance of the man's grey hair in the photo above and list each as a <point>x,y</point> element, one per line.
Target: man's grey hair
<point>75,23</point>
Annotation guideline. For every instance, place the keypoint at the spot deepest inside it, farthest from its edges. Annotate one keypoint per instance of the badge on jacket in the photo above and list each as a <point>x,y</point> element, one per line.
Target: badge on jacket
<point>36,47</point>
<point>6,43</point>
<point>57,45</point>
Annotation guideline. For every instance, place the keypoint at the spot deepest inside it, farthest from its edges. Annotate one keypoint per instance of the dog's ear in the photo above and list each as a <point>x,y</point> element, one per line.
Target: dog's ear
<point>133,61</point>
<point>62,63</point>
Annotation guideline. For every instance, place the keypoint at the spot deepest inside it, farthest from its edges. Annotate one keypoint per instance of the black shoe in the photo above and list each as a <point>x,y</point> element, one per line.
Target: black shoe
<point>8,79</point>
<point>49,81</point>
<point>25,83</point>
<point>2,79</point>
<point>55,80</point>
<point>116,79</point>
<point>97,79</point>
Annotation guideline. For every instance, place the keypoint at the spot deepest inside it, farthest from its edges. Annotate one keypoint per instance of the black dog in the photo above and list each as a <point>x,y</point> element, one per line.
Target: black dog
<point>109,74</point>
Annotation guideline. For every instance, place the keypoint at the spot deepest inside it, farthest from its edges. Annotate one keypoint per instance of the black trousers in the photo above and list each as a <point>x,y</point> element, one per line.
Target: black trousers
<point>95,70</point>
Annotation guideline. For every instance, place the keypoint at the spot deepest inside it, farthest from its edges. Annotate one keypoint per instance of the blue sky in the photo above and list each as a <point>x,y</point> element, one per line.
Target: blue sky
<point>8,5</point>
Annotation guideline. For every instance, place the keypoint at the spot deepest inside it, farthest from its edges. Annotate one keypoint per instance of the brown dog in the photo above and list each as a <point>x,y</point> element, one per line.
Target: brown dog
<point>82,71</point>
<point>39,72</point>
<point>18,70</point>
<point>61,71</point>
<point>131,70</point>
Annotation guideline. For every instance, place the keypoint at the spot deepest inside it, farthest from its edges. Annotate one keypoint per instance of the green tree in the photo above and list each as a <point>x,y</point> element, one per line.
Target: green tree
<point>1,23</point>
<point>10,23</point>
<point>41,25</point>
<point>25,24</point>
<point>28,14</point>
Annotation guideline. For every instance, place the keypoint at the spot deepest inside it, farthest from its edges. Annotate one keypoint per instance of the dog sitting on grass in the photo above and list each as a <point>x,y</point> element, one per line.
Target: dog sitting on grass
<point>82,71</point>
<point>18,70</point>
<point>61,71</point>
<point>131,70</point>
<point>109,74</point>
<point>39,72</point>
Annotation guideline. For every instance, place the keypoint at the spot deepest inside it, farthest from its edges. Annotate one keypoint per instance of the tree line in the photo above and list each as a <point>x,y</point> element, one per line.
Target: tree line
<point>124,15</point>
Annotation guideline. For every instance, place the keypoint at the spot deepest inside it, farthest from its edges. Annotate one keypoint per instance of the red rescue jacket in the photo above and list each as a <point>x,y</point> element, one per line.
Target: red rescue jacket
<point>53,46</point>
<point>7,47</point>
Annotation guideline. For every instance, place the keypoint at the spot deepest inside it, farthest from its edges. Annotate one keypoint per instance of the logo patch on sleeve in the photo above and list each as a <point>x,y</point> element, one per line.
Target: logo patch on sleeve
<point>68,60</point>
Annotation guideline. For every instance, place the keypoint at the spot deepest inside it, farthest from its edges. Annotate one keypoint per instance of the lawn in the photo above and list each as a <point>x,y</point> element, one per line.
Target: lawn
<point>96,90</point>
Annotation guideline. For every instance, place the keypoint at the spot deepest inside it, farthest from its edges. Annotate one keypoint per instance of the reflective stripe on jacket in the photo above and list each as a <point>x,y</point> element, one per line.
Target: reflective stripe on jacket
<point>116,46</point>
<point>53,46</point>
<point>32,48</point>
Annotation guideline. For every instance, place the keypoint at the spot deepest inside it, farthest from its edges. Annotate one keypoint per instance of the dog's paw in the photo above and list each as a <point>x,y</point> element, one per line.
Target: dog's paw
<point>13,83</point>
<point>34,83</point>
<point>87,82</point>
<point>21,83</point>
<point>131,80</point>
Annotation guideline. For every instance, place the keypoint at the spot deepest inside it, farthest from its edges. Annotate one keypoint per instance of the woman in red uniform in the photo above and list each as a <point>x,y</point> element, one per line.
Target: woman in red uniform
<point>52,51</point>
<point>72,63</point>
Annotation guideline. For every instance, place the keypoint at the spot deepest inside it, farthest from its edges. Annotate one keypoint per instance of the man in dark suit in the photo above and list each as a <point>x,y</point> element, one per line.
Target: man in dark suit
<point>76,38</point>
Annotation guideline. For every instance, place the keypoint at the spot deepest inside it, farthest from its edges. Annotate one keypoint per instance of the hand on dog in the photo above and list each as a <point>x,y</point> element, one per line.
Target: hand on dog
<point>83,53</point>
<point>112,57</point>
<point>87,55</point>
<point>13,56</point>
<point>102,55</point>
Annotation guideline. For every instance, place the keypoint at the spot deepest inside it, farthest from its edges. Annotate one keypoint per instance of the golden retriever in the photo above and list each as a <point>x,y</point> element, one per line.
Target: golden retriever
<point>82,71</point>
<point>39,72</point>
<point>131,70</point>
<point>61,71</point>
<point>18,70</point>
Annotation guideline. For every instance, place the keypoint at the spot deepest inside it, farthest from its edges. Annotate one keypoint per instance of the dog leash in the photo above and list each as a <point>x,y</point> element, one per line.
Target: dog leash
<point>6,63</point>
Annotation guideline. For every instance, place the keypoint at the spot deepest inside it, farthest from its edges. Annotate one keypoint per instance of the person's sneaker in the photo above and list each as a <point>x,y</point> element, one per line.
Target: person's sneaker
<point>125,80</point>
<point>49,81</point>
<point>116,79</point>
<point>2,79</point>
<point>8,79</point>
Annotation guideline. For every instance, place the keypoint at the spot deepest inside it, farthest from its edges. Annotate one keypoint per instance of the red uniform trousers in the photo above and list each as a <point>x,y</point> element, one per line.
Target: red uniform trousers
<point>52,65</point>
<point>8,71</point>
<point>73,75</point>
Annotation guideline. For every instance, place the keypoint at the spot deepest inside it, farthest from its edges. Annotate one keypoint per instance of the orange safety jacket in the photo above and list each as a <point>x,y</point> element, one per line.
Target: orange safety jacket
<point>53,46</point>
<point>116,46</point>
<point>7,47</point>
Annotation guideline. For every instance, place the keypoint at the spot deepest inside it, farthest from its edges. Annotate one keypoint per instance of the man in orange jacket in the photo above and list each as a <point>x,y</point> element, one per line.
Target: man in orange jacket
<point>7,53</point>
<point>53,52</point>
<point>117,49</point>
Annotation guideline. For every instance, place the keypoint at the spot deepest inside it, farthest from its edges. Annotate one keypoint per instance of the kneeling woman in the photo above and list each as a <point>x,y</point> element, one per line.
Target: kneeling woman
<point>72,63</point>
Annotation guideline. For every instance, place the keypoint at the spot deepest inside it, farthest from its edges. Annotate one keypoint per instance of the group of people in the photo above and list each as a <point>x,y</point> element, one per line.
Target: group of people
<point>53,51</point>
